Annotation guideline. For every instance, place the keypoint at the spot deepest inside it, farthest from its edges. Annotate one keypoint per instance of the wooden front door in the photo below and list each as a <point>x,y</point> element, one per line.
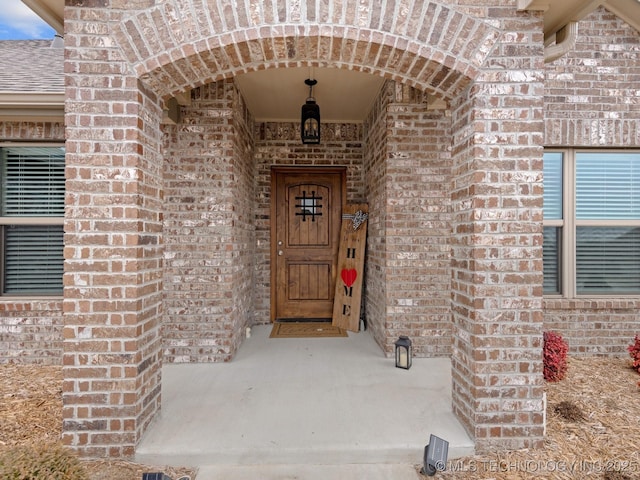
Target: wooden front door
<point>306,212</point>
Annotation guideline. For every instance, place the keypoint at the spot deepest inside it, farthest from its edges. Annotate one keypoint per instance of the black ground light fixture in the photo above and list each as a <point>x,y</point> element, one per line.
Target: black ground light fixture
<point>435,456</point>
<point>161,476</point>
<point>310,118</point>
<point>155,476</point>
<point>403,352</point>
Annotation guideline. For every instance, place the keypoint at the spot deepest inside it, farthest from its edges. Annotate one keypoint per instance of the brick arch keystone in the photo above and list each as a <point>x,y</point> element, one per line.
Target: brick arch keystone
<point>424,44</point>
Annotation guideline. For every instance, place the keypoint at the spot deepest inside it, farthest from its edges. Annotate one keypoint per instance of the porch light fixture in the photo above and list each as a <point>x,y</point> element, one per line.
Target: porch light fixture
<point>403,352</point>
<point>310,117</point>
<point>435,456</point>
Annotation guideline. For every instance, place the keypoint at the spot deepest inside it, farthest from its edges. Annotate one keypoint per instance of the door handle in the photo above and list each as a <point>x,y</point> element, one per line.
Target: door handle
<point>280,252</point>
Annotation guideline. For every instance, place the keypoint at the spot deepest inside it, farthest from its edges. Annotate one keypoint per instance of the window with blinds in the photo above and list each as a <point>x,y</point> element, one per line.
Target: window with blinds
<point>31,219</point>
<point>607,186</point>
<point>608,260</point>
<point>607,190</point>
<point>598,243</point>
<point>553,225</point>
<point>551,257</point>
<point>553,191</point>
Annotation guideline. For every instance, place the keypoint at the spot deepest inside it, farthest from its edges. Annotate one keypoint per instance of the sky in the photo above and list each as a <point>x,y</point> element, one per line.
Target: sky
<point>18,22</point>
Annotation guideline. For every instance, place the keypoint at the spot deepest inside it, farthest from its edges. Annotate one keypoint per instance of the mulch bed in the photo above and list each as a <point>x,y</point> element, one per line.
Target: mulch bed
<point>593,430</point>
<point>593,427</point>
<point>31,411</point>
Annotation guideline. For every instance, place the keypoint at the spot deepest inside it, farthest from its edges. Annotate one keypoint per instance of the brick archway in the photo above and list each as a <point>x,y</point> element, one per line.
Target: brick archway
<point>173,50</point>
<point>122,62</point>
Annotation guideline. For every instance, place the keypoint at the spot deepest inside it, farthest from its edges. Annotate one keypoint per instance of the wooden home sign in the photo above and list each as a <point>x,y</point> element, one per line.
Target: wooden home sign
<point>348,294</point>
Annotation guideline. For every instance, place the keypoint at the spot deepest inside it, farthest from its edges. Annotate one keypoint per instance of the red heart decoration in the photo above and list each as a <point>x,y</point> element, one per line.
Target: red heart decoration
<point>348,276</point>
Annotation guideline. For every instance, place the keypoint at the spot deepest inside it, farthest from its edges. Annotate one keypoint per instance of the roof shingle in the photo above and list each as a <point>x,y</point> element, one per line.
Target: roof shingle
<point>28,66</point>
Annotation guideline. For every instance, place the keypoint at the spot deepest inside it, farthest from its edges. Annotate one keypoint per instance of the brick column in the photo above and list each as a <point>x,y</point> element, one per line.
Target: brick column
<point>497,261</point>
<point>113,245</point>
<point>112,296</point>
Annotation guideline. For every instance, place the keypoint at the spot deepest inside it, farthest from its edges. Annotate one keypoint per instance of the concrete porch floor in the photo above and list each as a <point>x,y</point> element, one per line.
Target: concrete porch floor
<point>304,408</point>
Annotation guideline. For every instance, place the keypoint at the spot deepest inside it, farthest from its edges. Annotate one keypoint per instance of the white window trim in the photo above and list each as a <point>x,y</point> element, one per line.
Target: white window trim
<point>32,221</point>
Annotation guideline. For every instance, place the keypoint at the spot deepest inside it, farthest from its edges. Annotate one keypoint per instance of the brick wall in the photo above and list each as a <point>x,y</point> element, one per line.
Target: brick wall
<point>418,221</point>
<point>209,227</point>
<point>408,183</point>
<point>244,209</point>
<point>31,329</point>
<point>375,179</point>
<point>591,100</point>
<point>31,132</point>
<point>591,93</point>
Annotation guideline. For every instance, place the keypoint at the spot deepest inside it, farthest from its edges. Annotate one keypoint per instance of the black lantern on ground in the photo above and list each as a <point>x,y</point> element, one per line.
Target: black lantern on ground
<point>310,118</point>
<point>403,352</point>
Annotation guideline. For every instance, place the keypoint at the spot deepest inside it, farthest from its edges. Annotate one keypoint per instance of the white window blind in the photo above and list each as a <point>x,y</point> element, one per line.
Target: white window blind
<point>33,182</point>
<point>33,190</point>
<point>551,260</point>
<point>608,260</point>
<point>33,259</point>
<point>552,170</point>
<point>607,186</point>
<point>553,209</point>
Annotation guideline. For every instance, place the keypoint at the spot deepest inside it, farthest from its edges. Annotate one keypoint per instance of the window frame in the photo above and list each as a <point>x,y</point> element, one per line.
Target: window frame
<point>19,221</point>
<point>569,224</point>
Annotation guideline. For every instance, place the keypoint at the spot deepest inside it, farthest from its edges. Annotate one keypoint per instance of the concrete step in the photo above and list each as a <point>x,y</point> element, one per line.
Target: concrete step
<point>310,472</point>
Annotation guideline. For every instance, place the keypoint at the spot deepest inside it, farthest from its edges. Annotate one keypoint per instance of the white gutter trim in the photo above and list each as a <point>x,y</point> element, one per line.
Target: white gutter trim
<point>35,107</point>
<point>31,100</point>
<point>565,40</point>
<point>540,5</point>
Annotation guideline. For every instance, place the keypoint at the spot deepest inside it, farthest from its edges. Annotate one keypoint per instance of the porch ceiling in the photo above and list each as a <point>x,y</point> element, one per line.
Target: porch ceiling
<point>278,94</point>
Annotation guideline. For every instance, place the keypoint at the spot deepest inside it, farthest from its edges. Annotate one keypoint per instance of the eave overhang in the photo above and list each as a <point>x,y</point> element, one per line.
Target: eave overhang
<point>51,11</point>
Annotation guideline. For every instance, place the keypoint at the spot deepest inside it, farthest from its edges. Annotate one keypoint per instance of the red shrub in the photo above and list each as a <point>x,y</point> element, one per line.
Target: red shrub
<point>554,357</point>
<point>634,351</point>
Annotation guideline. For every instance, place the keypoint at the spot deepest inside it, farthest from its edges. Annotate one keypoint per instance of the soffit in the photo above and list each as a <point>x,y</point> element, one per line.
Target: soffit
<point>278,94</point>
<point>558,13</point>
<point>51,11</point>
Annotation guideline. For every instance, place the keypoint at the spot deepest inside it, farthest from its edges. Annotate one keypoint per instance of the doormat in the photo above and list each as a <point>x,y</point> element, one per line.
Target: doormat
<point>306,330</point>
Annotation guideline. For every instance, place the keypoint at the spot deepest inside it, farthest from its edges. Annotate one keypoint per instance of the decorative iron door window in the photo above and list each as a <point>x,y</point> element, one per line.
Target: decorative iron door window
<point>309,206</point>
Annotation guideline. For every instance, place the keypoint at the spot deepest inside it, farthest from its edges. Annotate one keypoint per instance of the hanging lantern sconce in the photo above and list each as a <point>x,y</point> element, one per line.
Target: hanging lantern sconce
<point>310,118</point>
